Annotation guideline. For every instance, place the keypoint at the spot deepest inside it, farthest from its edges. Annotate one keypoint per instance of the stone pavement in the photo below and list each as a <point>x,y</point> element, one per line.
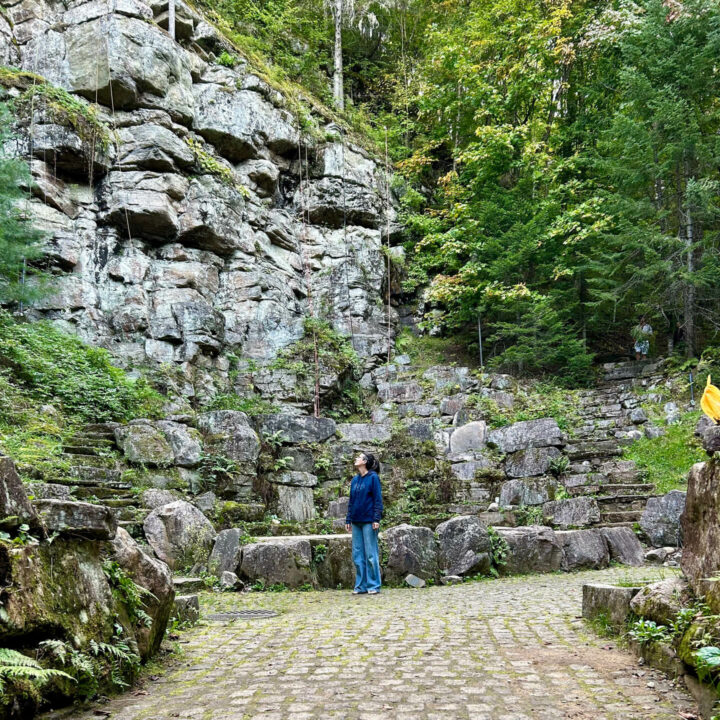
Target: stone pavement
<point>510,649</point>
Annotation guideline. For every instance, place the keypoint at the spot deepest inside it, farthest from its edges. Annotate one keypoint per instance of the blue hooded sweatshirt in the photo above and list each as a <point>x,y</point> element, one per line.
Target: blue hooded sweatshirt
<point>366,503</point>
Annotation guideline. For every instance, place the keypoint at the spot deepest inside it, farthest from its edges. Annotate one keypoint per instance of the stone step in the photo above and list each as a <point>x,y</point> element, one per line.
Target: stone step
<point>132,513</point>
<point>83,450</point>
<point>120,502</point>
<point>89,460</point>
<point>614,524</point>
<point>629,488</point>
<point>100,429</point>
<point>132,527</point>
<point>612,503</point>
<point>93,441</point>
<point>185,585</point>
<point>621,516</point>
<point>593,449</point>
<point>103,492</point>
<point>91,475</point>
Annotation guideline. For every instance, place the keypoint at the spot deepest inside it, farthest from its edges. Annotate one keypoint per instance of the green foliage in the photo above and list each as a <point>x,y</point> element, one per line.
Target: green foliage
<point>529,515</point>
<point>648,631</point>
<point>58,368</point>
<point>667,460</point>
<point>601,625</point>
<point>16,670</point>
<point>499,549</point>
<point>250,404</point>
<point>319,554</point>
<point>559,465</point>
<point>208,164</point>
<point>707,663</point>
<point>227,59</point>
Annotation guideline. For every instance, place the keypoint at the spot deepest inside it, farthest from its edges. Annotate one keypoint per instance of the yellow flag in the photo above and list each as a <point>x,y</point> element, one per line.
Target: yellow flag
<point>710,401</point>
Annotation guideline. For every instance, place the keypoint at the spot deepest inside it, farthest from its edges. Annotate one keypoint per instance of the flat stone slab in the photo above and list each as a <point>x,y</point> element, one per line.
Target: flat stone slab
<point>608,601</point>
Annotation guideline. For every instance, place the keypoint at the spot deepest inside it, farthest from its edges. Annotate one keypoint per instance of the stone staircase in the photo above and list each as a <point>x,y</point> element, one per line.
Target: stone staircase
<point>611,418</point>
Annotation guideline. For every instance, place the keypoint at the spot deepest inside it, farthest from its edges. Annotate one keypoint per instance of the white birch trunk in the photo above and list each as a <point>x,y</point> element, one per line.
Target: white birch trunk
<point>338,90</point>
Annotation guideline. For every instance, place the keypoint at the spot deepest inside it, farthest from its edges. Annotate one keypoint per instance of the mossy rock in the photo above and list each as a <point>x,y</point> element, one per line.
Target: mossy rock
<point>231,513</point>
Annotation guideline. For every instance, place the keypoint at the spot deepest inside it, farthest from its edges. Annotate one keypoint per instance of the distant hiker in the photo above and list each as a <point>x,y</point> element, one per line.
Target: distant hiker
<point>642,333</point>
<point>363,520</point>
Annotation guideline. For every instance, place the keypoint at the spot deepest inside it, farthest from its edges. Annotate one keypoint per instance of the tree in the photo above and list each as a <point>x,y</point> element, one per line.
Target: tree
<point>20,243</point>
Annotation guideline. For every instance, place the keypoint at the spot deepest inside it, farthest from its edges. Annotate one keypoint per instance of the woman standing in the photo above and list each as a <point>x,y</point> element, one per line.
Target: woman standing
<point>363,520</point>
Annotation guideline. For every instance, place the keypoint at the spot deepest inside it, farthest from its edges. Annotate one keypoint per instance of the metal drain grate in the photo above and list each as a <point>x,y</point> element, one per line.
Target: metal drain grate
<point>242,615</point>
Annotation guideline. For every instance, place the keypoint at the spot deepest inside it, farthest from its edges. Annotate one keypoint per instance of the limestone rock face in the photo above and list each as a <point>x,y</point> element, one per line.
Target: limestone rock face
<point>181,239</point>
<point>533,491</point>
<point>700,523</point>
<point>287,562</point>
<point>145,444</point>
<point>298,429</point>
<point>237,440</point>
<point>469,438</point>
<point>296,503</point>
<point>533,461</point>
<point>533,549</point>
<point>77,518</point>
<point>179,534</point>
<point>464,546</point>
<point>411,550</point>
<point>153,575</point>
<point>15,508</point>
<point>661,519</point>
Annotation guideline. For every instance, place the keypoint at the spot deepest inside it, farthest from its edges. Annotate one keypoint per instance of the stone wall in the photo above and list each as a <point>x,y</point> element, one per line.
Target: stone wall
<point>180,240</point>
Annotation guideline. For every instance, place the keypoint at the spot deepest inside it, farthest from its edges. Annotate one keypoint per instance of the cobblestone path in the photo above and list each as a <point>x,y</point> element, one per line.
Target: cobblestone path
<point>509,649</point>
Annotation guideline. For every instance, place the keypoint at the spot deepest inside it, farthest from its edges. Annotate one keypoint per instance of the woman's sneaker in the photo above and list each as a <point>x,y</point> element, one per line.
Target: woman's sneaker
<point>361,592</point>
<point>373,592</point>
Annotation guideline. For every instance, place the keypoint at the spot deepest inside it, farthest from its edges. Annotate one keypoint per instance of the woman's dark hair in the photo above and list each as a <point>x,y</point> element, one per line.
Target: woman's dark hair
<point>372,462</point>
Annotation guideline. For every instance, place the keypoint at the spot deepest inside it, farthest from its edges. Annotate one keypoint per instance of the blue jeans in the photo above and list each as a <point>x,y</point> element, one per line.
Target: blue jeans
<point>365,557</point>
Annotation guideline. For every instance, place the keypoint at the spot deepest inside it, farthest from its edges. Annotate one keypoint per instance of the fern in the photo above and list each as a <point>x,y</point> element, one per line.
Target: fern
<point>16,666</point>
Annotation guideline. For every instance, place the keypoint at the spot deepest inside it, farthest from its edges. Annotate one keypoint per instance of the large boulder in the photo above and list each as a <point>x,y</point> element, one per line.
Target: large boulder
<point>609,602</point>
<point>661,601</point>
<point>179,534</point>
<point>332,556</point>
<point>661,519</point>
<point>297,428</point>
<point>410,550</point>
<point>227,552</point>
<point>701,531</point>
<point>400,392</point>
<point>464,546</point>
<point>155,498</point>
<point>572,512</point>
<point>532,491</point>
<point>77,518</point>
<point>624,546</point>
<point>155,577</point>
<point>231,430</point>
<point>526,434</point>
<point>468,439</point>
<point>186,443</point>
<point>583,549</point>
<point>15,508</point>
<point>278,561</point>
<point>530,462</point>
<point>364,433</point>
<point>533,549</point>
<point>145,444</point>
<point>296,503</point>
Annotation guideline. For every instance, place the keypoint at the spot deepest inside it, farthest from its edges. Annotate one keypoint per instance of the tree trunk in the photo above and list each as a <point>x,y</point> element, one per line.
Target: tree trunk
<point>171,18</point>
<point>338,91</point>
<point>689,294</point>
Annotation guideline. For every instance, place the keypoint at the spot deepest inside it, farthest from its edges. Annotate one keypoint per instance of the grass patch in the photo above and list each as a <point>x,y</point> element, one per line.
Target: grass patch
<point>426,351</point>
<point>667,460</point>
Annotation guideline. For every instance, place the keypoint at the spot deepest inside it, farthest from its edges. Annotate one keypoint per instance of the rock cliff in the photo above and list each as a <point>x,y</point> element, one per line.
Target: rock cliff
<point>193,212</point>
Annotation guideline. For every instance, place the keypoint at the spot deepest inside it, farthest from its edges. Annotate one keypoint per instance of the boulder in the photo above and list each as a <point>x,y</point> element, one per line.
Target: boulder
<point>179,534</point>
<point>468,439</point>
<point>449,377</point>
<point>530,462</point>
<point>227,552</point>
<point>410,550</point>
<point>610,602</point>
<point>364,433</point>
<point>637,416</point>
<point>230,581</point>
<point>338,508</point>
<point>572,512</point>
<point>145,444</point>
<point>452,404</point>
<point>231,430</point>
<point>186,442</point>
<point>533,491</point>
<point>298,428</point>
<point>469,470</point>
<point>400,392</point>
<point>700,523</point>
<point>657,556</point>
<point>187,608</point>
<point>332,556</point>
<point>155,577</point>
<point>77,518</point>
<point>463,546</point>
<point>711,439</point>
<point>295,504</point>
<point>624,546</point>
<point>528,433</point>
<point>47,491</point>
<point>583,549</point>
<point>287,561</point>
<point>652,432</point>
<point>703,424</point>
<point>661,519</point>
<point>661,601</point>
<point>15,508</point>
<point>414,581</point>
<point>206,502</point>
<point>155,498</point>
<point>533,549</point>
